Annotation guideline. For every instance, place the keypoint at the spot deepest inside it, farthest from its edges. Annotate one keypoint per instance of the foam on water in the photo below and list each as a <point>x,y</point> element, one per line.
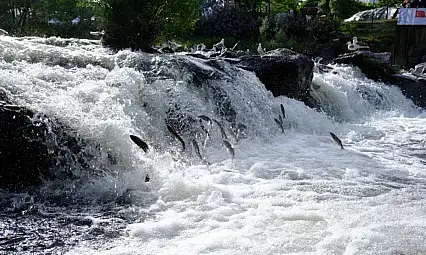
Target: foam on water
<point>291,193</point>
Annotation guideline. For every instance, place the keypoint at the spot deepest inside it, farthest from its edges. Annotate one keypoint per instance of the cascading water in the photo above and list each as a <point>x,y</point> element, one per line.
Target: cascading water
<point>284,193</point>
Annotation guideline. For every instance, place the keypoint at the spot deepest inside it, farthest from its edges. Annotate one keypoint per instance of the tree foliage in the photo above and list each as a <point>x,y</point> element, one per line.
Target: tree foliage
<point>238,21</point>
<point>137,24</point>
<point>284,5</point>
<point>22,17</point>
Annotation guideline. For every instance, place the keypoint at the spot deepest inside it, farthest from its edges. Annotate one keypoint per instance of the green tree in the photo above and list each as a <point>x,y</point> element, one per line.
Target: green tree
<point>138,24</point>
<point>30,17</point>
<point>284,5</point>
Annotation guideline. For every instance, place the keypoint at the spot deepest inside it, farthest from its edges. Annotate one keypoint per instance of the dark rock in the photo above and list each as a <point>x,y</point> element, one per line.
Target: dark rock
<point>23,160</point>
<point>372,68</point>
<point>203,78</point>
<point>328,51</point>
<point>282,71</point>
<point>414,89</point>
<point>416,54</point>
<point>3,97</point>
<point>234,54</point>
<point>34,148</point>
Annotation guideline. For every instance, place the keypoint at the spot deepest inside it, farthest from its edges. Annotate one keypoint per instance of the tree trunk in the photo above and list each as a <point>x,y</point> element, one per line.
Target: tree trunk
<point>327,6</point>
<point>268,8</point>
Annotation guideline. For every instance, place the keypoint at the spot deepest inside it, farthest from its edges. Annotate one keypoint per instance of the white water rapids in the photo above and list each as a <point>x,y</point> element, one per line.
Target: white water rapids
<point>284,193</point>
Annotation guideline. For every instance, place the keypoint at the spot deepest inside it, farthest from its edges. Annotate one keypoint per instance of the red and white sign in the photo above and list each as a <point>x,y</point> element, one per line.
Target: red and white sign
<point>412,16</point>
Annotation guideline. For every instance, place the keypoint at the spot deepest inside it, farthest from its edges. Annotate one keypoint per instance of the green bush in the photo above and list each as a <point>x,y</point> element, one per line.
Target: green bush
<point>137,24</point>
<point>229,22</point>
<point>323,28</point>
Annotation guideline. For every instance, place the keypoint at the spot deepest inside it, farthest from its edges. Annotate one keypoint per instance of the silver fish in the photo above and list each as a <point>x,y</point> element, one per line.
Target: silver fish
<point>282,111</point>
<point>176,136</point>
<point>222,131</point>
<point>337,140</point>
<point>204,128</point>
<point>230,148</point>
<point>205,118</point>
<point>197,151</point>
<point>139,143</point>
<point>234,136</point>
<point>280,124</point>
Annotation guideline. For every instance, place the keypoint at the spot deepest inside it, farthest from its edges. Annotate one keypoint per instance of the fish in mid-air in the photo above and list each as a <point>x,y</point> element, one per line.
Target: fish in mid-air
<point>205,130</point>
<point>177,136</point>
<point>139,143</point>
<point>205,118</point>
<point>280,120</point>
<point>337,140</point>
<point>222,131</point>
<point>283,111</point>
<point>279,123</point>
<point>229,148</point>
<point>197,151</point>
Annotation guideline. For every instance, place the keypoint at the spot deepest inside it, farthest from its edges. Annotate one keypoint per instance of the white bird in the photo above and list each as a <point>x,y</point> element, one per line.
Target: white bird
<point>174,45</point>
<point>3,32</point>
<point>260,50</point>
<point>356,45</point>
<point>220,45</point>
<point>203,47</point>
<point>97,33</point>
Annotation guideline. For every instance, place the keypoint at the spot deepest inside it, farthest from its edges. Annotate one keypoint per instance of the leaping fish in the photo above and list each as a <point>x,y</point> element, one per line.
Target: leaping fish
<point>282,110</point>
<point>282,123</point>
<point>279,123</point>
<point>222,131</point>
<point>229,148</point>
<point>176,136</point>
<point>337,140</point>
<point>205,118</point>
<point>139,143</point>
<point>234,136</point>
<point>204,128</point>
<point>197,151</point>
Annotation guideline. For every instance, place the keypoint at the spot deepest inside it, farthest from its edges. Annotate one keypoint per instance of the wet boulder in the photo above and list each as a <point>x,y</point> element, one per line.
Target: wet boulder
<point>282,71</point>
<point>35,148</point>
<point>374,69</point>
<point>24,160</point>
<point>369,65</point>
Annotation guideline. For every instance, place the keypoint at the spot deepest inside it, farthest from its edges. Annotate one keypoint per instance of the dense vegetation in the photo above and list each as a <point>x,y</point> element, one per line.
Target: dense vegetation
<point>138,24</point>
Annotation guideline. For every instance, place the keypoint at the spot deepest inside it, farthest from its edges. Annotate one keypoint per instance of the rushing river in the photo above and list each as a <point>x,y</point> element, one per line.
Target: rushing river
<point>295,192</point>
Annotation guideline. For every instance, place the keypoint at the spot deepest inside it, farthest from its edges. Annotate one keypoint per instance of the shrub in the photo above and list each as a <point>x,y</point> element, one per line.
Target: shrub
<point>137,24</point>
<point>229,22</point>
<point>322,29</point>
